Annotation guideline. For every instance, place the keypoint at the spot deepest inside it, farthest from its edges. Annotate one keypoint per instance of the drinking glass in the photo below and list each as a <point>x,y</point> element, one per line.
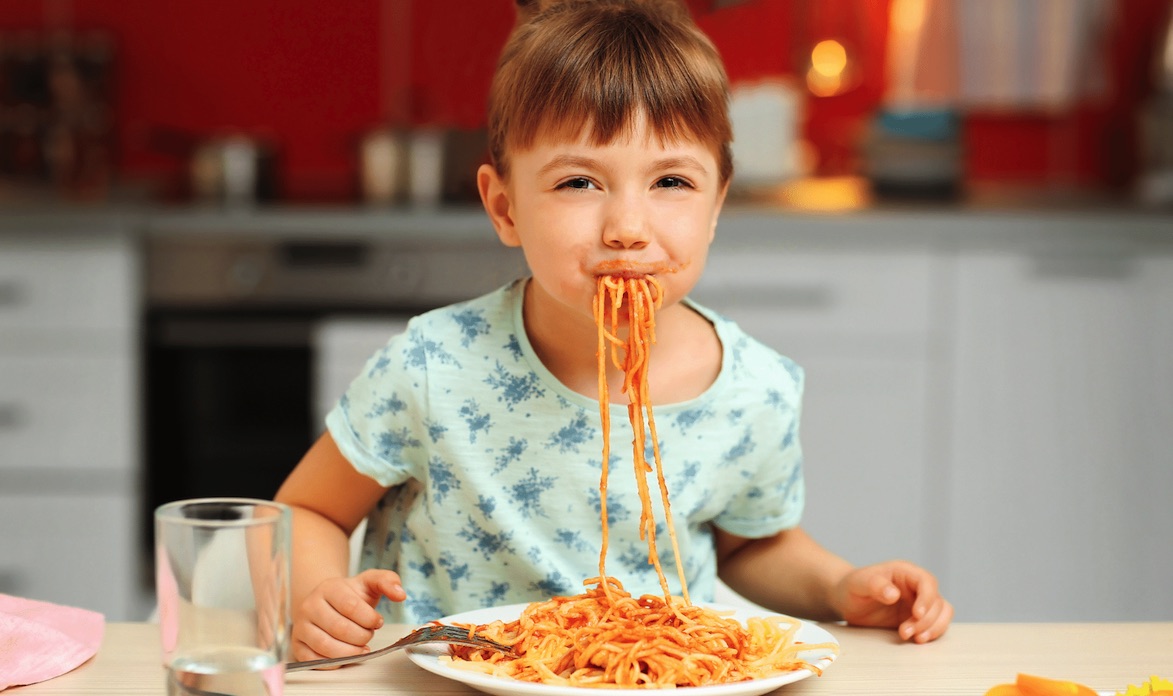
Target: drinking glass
<point>222,578</point>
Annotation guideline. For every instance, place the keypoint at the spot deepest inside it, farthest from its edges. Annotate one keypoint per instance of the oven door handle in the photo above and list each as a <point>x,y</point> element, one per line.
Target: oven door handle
<point>192,332</point>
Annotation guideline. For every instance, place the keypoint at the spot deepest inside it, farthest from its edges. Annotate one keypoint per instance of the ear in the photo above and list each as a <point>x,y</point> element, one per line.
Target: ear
<point>495,197</point>
<point>717,211</point>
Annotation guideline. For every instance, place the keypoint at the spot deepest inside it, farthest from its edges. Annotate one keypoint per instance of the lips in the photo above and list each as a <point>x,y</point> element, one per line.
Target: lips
<point>626,275</point>
<point>627,270</point>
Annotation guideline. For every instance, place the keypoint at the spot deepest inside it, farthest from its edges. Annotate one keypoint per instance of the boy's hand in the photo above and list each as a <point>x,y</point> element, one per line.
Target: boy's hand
<point>895,594</point>
<point>339,618</point>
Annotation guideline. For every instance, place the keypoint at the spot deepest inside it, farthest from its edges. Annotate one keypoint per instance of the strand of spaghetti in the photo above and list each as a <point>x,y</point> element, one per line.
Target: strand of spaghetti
<point>645,316</point>
<point>635,347</point>
<point>641,316</point>
<point>646,285</point>
<point>616,289</point>
<point>605,418</point>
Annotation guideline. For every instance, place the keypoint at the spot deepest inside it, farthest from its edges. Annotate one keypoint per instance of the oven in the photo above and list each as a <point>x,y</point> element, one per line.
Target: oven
<point>249,338</point>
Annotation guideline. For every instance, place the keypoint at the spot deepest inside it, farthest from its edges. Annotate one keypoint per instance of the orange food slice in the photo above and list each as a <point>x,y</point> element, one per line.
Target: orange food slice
<point>1031,685</point>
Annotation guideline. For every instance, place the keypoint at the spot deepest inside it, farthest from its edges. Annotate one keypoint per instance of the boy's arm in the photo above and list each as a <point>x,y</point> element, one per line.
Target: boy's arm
<point>329,500</point>
<point>789,572</point>
<point>332,615</point>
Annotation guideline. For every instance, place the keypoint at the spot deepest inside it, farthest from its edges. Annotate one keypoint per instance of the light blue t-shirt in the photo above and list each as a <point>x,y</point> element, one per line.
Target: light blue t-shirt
<point>494,465</point>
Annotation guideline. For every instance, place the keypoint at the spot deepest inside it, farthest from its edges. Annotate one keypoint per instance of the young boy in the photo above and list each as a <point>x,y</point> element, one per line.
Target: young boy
<point>472,442</point>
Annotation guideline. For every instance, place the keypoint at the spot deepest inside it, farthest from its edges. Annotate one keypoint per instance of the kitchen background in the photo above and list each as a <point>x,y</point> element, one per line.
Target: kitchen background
<point>956,215</point>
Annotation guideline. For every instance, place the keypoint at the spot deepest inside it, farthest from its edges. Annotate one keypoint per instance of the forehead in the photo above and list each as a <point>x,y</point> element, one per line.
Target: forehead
<point>639,131</point>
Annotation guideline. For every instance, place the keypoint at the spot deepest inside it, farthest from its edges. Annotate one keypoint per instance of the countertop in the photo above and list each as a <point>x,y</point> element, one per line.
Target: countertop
<point>968,660</point>
<point>742,223</point>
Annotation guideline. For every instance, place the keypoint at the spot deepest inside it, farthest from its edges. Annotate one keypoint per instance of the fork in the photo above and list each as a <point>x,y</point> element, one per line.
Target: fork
<point>453,635</point>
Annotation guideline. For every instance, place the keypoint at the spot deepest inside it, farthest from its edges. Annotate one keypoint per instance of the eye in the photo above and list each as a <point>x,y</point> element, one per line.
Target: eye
<point>672,182</point>
<point>578,182</point>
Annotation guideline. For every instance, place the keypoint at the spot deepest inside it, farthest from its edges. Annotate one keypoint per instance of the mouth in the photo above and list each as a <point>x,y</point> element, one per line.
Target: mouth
<point>627,270</point>
<point>625,275</point>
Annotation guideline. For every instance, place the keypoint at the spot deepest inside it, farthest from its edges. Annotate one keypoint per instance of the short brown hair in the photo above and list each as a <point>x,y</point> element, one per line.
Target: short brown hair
<point>599,63</point>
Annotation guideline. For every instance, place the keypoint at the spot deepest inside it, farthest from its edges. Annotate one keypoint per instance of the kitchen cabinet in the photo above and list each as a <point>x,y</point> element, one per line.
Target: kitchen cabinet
<point>68,418</point>
<point>990,396</point>
<point>858,320</point>
<point>1061,433</point>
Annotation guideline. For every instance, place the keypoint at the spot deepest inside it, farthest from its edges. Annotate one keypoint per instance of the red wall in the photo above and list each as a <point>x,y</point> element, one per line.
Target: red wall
<point>308,75</point>
<point>1094,145</point>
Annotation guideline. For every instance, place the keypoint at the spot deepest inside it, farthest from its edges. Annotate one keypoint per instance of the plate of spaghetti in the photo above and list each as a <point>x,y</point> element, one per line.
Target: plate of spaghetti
<point>607,639</point>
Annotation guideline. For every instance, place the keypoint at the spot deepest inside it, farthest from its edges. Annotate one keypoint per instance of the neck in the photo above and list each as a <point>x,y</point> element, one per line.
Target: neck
<point>564,340</point>
<point>686,357</point>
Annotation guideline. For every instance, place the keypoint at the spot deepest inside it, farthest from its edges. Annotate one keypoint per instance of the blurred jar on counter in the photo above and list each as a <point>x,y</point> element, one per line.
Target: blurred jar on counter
<point>1155,183</point>
<point>56,120</point>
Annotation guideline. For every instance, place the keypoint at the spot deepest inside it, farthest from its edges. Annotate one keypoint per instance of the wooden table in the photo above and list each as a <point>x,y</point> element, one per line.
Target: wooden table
<point>968,660</point>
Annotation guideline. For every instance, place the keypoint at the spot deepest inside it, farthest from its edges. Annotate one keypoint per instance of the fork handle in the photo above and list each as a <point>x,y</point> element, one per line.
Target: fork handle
<point>345,660</point>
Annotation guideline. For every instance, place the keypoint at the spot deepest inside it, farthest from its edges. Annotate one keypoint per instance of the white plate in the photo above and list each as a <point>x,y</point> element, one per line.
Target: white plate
<point>428,657</point>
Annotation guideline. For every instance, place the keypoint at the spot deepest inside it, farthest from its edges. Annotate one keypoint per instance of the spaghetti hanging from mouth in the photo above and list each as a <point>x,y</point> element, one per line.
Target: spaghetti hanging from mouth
<point>631,356</point>
<point>605,637</point>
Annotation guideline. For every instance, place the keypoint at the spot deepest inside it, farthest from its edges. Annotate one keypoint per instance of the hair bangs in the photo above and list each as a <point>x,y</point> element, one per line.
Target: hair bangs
<point>562,79</point>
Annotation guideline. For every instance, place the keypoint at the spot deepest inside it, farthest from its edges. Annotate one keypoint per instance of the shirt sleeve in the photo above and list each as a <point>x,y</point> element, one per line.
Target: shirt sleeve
<point>377,422</point>
<point>774,495</point>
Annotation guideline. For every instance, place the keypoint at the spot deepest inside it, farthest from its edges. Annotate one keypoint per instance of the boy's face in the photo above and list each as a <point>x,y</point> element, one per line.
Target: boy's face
<point>580,210</point>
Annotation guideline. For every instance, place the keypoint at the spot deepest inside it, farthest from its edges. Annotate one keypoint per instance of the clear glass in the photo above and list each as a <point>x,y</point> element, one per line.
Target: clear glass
<point>222,578</point>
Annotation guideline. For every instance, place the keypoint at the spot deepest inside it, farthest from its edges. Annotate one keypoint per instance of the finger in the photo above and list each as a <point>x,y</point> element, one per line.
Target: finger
<point>383,583</point>
<point>924,590</point>
<point>345,628</point>
<point>353,606</point>
<point>913,626</point>
<point>881,589</point>
<point>923,605</point>
<point>322,641</point>
<point>940,625</point>
<point>929,626</point>
<point>917,586</point>
<point>303,653</point>
<point>321,611</point>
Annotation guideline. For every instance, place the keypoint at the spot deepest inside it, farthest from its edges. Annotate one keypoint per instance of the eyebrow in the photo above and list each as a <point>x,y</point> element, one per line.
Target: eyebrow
<point>682,162</point>
<point>575,162</point>
<point>570,162</point>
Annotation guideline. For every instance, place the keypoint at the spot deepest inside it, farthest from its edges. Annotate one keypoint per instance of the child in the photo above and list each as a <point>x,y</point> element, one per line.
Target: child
<point>472,442</point>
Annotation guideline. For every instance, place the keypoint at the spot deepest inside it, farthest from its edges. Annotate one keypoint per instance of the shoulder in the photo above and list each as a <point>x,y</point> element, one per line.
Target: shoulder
<point>470,317</point>
<point>480,324</point>
<point>751,363</point>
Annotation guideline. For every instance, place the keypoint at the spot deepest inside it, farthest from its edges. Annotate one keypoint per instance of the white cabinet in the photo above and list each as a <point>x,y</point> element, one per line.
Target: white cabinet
<point>858,321</point>
<point>991,397</point>
<point>69,303</point>
<point>70,544</point>
<point>1062,433</point>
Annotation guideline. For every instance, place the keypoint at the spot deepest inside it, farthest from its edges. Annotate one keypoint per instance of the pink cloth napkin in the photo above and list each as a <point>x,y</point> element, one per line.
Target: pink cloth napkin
<point>39,640</point>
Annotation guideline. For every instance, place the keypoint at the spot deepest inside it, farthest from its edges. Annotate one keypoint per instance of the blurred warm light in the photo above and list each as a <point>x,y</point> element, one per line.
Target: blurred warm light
<point>1167,59</point>
<point>827,194</point>
<point>828,67</point>
<point>907,22</point>
<point>822,86</point>
<point>829,58</point>
<point>908,16</point>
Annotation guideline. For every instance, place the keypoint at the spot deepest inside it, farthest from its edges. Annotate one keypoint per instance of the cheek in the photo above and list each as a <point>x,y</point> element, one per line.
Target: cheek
<point>557,264</point>
<point>686,238</point>
<point>689,253</point>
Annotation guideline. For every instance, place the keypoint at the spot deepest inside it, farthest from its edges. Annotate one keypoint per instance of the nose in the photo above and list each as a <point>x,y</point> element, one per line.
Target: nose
<point>627,224</point>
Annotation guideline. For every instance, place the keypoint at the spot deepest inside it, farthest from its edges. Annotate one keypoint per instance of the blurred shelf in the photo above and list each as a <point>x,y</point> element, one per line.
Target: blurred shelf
<point>829,211</point>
